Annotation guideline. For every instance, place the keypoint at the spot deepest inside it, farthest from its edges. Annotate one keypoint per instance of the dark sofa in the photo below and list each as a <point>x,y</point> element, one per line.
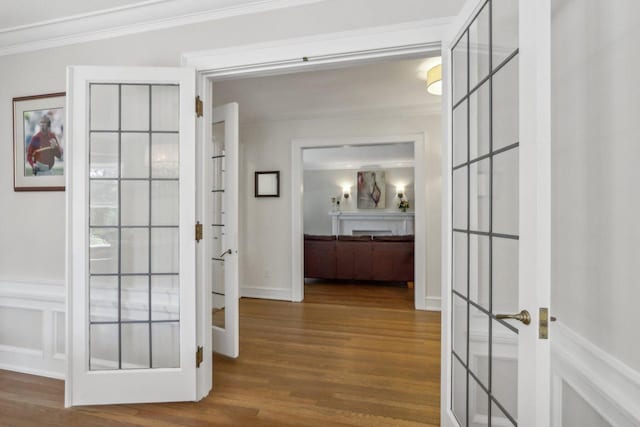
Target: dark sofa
<point>384,258</point>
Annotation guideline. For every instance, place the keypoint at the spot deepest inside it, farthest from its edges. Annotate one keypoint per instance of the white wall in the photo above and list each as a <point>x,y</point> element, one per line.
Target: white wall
<point>595,199</point>
<point>321,185</point>
<point>265,247</point>
<point>32,234</point>
<point>31,224</point>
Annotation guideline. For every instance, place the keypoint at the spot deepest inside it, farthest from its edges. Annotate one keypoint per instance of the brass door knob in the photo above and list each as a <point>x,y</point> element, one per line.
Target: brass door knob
<point>523,316</point>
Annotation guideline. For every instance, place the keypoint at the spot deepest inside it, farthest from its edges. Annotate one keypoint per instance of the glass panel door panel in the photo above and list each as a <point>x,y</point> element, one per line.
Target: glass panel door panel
<point>218,244</point>
<point>133,227</point>
<point>485,188</point>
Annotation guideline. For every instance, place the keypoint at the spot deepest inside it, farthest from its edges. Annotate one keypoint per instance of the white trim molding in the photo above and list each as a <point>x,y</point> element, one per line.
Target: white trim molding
<point>47,301</point>
<point>609,386</point>
<point>433,303</point>
<point>281,294</point>
<point>137,17</point>
<point>297,194</point>
<point>417,38</point>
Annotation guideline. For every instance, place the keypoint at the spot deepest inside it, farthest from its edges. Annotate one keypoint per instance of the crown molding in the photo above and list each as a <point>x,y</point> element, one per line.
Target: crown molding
<point>135,18</point>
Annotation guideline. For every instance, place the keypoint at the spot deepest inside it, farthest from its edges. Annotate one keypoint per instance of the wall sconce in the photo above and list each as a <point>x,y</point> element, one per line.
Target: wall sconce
<point>434,80</point>
<point>346,191</point>
<point>400,191</point>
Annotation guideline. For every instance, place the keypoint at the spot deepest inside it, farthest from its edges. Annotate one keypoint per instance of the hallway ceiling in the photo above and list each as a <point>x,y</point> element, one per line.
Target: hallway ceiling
<point>373,90</point>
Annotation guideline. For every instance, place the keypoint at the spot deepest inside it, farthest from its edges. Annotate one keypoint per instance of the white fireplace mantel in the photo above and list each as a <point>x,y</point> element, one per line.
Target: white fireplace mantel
<point>377,223</point>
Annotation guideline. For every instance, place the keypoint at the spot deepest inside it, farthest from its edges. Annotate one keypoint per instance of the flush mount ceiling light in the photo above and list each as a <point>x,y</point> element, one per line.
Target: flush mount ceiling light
<point>434,80</point>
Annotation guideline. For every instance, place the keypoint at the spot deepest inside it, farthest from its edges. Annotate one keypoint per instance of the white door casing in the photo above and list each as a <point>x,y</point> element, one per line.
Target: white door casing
<point>533,236</point>
<point>122,379</point>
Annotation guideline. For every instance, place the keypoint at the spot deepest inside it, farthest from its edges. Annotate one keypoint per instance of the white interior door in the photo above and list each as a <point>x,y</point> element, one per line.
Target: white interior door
<point>497,366</point>
<point>131,329</point>
<point>221,218</point>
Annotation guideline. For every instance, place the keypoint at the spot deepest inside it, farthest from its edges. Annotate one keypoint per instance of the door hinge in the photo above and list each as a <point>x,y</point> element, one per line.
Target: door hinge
<point>199,356</point>
<point>543,331</point>
<point>199,108</point>
<point>198,231</point>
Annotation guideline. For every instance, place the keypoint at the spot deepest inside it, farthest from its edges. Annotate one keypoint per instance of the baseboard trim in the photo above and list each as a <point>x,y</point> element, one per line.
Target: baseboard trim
<point>281,294</point>
<point>609,386</point>
<point>32,371</point>
<point>433,303</point>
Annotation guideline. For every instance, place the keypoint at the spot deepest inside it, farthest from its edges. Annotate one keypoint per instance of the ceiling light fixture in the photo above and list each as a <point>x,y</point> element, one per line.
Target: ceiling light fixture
<point>434,80</point>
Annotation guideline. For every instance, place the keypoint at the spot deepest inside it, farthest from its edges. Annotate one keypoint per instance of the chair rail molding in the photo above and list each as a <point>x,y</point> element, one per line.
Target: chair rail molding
<point>32,327</point>
<point>609,386</point>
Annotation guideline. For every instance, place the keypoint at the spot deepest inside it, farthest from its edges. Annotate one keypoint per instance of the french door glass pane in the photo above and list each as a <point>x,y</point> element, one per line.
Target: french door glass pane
<point>505,105</point>
<point>479,48</point>
<point>460,134</point>
<point>134,284</point>
<point>505,192</point>
<point>105,102</point>
<point>485,186</point>
<point>459,391</point>
<point>460,263</point>
<point>479,270</point>
<point>460,201</point>
<point>478,404</point>
<point>505,29</point>
<point>460,327</point>
<point>460,60</point>
<point>479,195</point>
<point>479,345</point>
<point>479,122</point>
<point>505,275</point>
<point>103,298</point>
<point>134,156</point>
<point>504,361</point>
<point>135,107</point>
<point>104,155</point>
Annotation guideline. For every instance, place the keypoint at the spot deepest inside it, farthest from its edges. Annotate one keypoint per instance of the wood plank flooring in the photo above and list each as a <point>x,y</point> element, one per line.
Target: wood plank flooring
<point>350,355</point>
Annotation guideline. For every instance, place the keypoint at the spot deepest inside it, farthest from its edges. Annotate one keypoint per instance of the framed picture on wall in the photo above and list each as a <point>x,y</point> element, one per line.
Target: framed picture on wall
<point>267,184</point>
<point>371,189</point>
<point>38,142</point>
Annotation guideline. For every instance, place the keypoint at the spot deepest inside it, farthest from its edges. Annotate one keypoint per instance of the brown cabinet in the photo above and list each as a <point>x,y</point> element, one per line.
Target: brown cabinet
<point>384,258</point>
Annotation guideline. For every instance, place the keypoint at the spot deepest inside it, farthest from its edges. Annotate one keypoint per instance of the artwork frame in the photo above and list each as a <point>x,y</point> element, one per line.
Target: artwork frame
<point>267,184</point>
<point>38,159</point>
<point>372,188</point>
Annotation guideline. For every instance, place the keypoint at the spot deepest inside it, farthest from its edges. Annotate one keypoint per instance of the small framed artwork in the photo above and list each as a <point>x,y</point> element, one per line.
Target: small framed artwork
<point>267,184</point>
<point>38,142</point>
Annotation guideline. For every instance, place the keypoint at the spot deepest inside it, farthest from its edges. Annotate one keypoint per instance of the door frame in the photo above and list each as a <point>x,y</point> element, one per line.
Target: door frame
<point>297,195</point>
<point>534,205</point>
<point>407,40</point>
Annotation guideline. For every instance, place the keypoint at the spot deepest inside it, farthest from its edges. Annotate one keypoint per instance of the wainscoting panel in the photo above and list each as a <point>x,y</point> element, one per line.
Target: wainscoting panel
<point>32,328</point>
<point>585,375</point>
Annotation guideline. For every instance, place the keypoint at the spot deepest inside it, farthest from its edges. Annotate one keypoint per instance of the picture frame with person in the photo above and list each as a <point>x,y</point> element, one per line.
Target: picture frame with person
<point>38,142</point>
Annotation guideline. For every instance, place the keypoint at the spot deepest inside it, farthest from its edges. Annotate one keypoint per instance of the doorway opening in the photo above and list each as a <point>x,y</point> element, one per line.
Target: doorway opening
<point>382,107</point>
<point>359,223</point>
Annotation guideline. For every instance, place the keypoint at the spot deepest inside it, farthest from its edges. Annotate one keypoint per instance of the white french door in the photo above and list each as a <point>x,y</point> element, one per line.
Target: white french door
<point>496,363</point>
<point>131,310</point>
<point>221,225</point>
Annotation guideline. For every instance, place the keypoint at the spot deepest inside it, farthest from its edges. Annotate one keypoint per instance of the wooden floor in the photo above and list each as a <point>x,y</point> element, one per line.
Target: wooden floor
<point>349,355</point>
